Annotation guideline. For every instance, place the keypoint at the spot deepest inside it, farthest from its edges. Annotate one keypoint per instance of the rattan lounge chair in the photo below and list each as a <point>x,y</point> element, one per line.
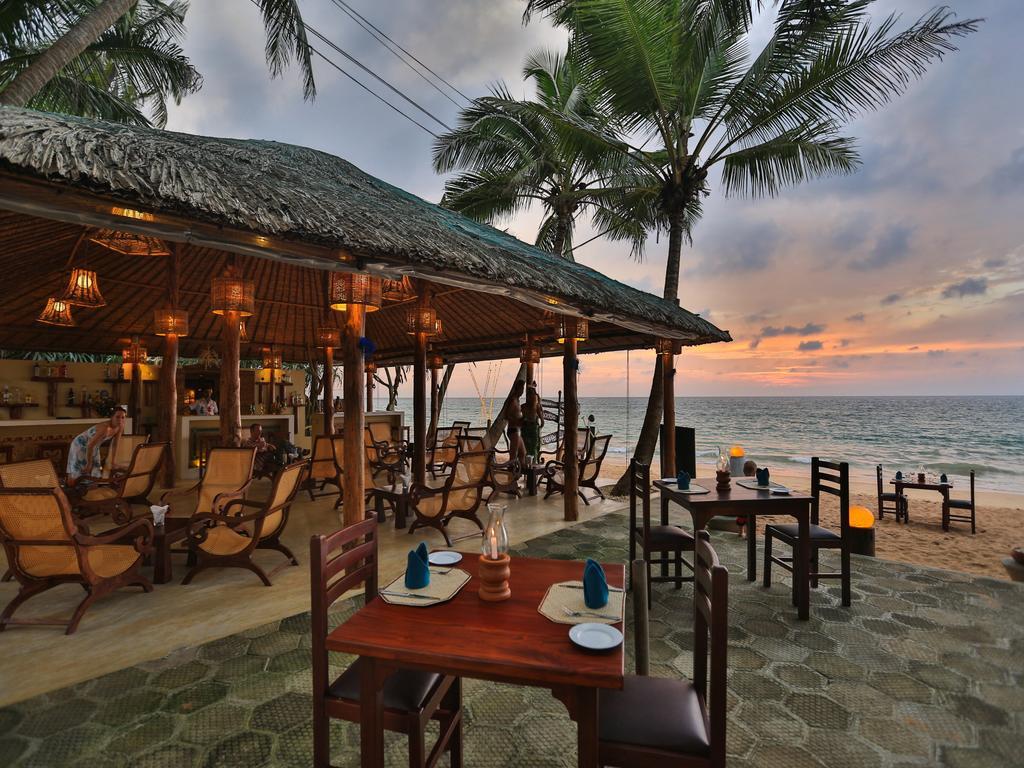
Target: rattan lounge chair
<point>228,474</point>
<point>460,496</point>
<point>115,496</point>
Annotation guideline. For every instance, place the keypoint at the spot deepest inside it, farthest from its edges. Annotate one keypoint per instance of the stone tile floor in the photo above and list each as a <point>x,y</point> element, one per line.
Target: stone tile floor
<point>926,669</point>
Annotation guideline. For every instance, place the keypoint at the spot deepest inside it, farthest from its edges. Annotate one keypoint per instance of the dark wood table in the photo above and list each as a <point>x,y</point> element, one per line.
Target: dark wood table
<point>173,531</point>
<point>911,482</point>
<point>746,502</point>
<point>507,642</point>
<point>532,473</point>
<point>399,501</point>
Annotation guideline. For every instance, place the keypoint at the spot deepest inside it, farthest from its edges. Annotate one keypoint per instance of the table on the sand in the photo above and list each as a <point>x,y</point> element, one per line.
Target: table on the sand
<point>747,502</point>
<point>504,642</point>
<point>923,485</point>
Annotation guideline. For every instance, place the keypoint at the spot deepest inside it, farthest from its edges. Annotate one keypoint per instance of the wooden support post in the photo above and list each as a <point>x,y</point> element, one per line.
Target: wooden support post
<point>328,425</point>
<point>434,406</point>
<point>355,419</point>
<point>572,418</point>
<point>668,390</point>
<point>167,405</point>
<point>135,397</point>
<point>230,383</point>
<point>419,410</point>
<point>369,391</point>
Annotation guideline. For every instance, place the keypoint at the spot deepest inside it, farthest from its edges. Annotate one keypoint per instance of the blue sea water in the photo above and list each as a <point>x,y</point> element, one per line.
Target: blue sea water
<point>942,434</point>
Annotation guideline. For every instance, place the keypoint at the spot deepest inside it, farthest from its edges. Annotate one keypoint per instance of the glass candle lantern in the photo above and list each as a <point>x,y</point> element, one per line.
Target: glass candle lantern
<point>494,544</point>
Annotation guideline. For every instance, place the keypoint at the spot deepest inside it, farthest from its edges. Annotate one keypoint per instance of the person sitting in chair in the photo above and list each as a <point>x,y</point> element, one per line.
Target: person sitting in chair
<point>267,462</point>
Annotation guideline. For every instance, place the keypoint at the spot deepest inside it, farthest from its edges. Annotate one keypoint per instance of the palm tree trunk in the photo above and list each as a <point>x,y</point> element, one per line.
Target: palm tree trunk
<point>561,232</point>
<point>649,433</point>
<point>498,425</point>
<point>442,390</point>
<point>31,80</point>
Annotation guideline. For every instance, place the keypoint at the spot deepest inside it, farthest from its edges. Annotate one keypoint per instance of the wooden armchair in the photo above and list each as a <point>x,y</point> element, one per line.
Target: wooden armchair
<point>45,548</point>
<point>656,721</point>
<point>370,480</point>
<point>115,496</point>
<point>384,454</point>
<point>591,458</point>
<point>339,563</point>
<point>322,467</point>
<point>228,474</point>
<point>504,473</point>
<point>36,473</point>
<point>446,448</point>
<point>228,537</point>
<point>460,496</point>
<point>126,445</point>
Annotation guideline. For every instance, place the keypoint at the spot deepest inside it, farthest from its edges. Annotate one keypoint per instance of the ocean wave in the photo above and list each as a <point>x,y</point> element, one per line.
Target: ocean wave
<point>963,468</point>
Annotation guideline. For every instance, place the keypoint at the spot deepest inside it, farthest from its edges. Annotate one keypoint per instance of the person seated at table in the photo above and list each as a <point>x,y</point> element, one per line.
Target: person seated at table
<point>749,470</point>
<point>205,405</point>
<point>84,454</point>
<point>267,462</point>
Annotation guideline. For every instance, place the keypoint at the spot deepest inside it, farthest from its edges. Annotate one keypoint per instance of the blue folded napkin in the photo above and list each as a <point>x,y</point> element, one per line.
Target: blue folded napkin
<point>899,475</point>
<point>943,478</point>
<point>595,585</point>
<point>417,569</point>
<point>683,480</point>
<point>762,475</point>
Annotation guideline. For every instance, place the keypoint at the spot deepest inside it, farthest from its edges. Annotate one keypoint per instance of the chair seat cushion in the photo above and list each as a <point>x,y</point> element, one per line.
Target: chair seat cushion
<point>109,560</point>
<point>222,540</point>
<point>890,497</point>
<point>960,503</point>
<point>792,531</point>
<point>668,537</point>
<point>406,689</point>
<point>654,712</point>
<point>101,493</point>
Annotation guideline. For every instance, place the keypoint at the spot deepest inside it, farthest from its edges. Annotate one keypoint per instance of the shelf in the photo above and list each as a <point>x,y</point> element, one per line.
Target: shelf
<point>54,379</point>
<point>16,408</point>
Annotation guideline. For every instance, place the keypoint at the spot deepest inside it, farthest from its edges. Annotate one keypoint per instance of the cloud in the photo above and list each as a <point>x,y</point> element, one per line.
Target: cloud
<point>809,346</point>
<point>860,317</point>
<point>845,342</point>
<point>892,247</point>
<point>747,247</point>
<point>892,298</point>
<point>810,329</point>
<point>995,262</point>
<point>755,342</point>
<point>936,352</point>
<point>972,286</point>
<point>1008,179</point>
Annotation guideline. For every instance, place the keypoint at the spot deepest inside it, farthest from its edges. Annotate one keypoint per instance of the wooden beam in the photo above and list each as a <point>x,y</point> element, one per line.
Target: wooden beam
<point>167,403</point>
<point>572,418</point>
<point>668,393</point>
<point>355,419</point>
<point>328,425</point>
<point>135,397</point>
<point>369,391</point>
<point>230,382</point>
<point>434,406</point>
<point>419,410</point>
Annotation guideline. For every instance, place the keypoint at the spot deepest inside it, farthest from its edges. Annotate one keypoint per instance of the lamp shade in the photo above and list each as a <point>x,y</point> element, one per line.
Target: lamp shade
<point>355,288</point>
<point>421,319</point>
<point>134,353</point>
<point>528,353</point>
<point>328,336</point>
<point>83,289</point>
<point>243,332</point>
<point>130,244</point>
<point>435,362</point>
<point>861,517</point>
<point>232,294</point>
<point>272,358</point>
<point>170,322</point>
<point>667,346</point>
<point>56,312</point>
<point>371,367</point>
<point>397,290</point>
<point>577,328</point>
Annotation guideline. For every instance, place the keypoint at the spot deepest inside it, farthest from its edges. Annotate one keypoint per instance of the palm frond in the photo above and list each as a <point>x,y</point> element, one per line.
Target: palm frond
<point>286,40</point>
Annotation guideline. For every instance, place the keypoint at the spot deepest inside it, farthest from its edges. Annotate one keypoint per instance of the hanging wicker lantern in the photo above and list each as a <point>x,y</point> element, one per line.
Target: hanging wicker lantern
<point>134,353</point>
<point>667,347</point>
<point>435,362</point>
<point>355,288</point>
<point>170,322</point>
<point>420,319</point>
<point>83,289</point>
<point>529,353</point>
<point>371,367</point>
<point>328,337</point>
<point>56,312</point>
<point>232,294</point>
<point>243,331</point>
<point>577,328</point>
<point>130,244</point>
<point>397,290</point>
<point>272,359</point>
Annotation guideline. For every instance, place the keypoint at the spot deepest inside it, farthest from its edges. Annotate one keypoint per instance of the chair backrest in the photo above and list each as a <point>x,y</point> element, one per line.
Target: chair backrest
<point>126,445</point>
<point>338,562</point>
<point>286,485</point>
<point>469,478</point>
<point>227,470</point>
<point>639,495</point>
<point>380,431</point>
<point>972,487</point>
<point>878,478</point>
<point>37,473</point>
<point>833,478</point>
<point>590,467</point>
<point>143,469</point>
<point>584,442</point>
<point>641,625</point>
<point>321,463</point>
<point>711,639</point>
<point>37,530</point>
<point>472,443</point>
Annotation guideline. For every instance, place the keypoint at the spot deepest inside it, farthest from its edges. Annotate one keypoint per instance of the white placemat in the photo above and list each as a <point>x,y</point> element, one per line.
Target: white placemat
<point>445,584</point>
<point>568,596</point>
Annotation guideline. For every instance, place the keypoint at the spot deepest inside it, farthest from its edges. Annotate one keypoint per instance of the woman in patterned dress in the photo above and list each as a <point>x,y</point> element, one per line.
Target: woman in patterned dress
<point>84,453</point>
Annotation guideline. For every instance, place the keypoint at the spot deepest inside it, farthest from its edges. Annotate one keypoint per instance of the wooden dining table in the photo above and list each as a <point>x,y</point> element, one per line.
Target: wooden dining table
<point>504,642</point>
<point>739,501</point>
<point>912,482</point>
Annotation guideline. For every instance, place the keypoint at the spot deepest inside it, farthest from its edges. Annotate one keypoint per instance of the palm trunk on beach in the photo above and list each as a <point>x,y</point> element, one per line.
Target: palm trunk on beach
<point>498,425</point>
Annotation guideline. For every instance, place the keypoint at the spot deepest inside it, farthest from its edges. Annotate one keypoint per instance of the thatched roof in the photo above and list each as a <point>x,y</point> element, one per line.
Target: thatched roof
<point>295,206</point>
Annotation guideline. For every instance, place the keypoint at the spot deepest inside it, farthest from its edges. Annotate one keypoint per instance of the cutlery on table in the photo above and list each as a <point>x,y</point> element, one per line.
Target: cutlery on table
<point>580,586</point>
<point>410,594</point>
<point>592,614</point>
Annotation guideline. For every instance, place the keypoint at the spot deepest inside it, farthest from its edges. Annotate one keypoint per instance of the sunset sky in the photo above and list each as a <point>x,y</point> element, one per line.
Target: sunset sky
<point>905,278</point>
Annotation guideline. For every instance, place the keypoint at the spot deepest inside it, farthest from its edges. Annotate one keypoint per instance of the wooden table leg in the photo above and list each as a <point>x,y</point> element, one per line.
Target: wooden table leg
<point>401,510</point>
<point>803,591</point>
<point>751,547</point>
<point>371,715</point>
<point>161,560</point>
<point>587,727</point>
<point>378,504</point>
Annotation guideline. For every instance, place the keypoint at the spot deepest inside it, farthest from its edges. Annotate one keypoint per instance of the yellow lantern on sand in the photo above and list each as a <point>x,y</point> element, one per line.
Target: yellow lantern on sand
<point>861,517</point>
<point>736,456</point>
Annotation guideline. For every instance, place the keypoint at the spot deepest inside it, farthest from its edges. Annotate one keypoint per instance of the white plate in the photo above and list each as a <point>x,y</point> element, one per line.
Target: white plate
<point>668,479</point>
<point>595,637</point>
<point>444,558</point>
<point>781,491</point>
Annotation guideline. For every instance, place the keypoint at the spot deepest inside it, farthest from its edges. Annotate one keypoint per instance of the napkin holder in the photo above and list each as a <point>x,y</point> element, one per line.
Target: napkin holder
<point>159,513</point>
<point>494,575</point>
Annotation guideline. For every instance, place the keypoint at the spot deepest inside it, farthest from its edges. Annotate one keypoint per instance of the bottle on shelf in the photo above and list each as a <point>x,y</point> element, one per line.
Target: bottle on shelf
<point>5,397</point>
<point>71,397</point>
<point>35,371</point>
<point>63,370</point>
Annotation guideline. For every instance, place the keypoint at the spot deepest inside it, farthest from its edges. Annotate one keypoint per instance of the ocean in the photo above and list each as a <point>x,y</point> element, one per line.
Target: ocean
<point>941,434</point>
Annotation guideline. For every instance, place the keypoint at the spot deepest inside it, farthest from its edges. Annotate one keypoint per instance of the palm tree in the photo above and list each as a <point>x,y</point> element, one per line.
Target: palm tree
<point>134,65</point>
<point>677,74</point>
<point>286,39</point>
<point>512,156</point>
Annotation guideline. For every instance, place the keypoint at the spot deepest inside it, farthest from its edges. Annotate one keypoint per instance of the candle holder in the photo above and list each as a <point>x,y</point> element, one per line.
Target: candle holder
<point>494,575</point>
<point>724,480</point>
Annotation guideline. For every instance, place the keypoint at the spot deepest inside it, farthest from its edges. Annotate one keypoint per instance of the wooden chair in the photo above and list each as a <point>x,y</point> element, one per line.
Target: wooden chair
<point>385,455</point>
<point>826,477</point>
<point>55,451</point>
<point>228,474</point>
<point>322,467</point>
<point>36,473</point>
<point>6,454</point>
<point>668,722</point>
<point>890,502</point>
<point>227,538</point>
<point>115,496</point>
<point>340,562</point>
<point>370,479</point>
<point>460,496</point>
<point>445,449</point>
<point>46,548</point>
<point>967,504</point>
<point>659,544</point>
<point>126,445</point>
<point>589,470</point>
<point>504,473</point>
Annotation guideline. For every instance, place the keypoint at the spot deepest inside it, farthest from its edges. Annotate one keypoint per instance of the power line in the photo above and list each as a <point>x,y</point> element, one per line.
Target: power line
<point>390,45</point>
<point>383,34</point>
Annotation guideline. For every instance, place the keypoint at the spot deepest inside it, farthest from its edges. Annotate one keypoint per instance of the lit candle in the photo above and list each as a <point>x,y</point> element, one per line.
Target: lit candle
<point>494,546</point>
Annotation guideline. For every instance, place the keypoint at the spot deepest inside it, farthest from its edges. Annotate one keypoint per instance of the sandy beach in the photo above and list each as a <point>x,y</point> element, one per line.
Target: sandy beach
<point>922,541</point>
